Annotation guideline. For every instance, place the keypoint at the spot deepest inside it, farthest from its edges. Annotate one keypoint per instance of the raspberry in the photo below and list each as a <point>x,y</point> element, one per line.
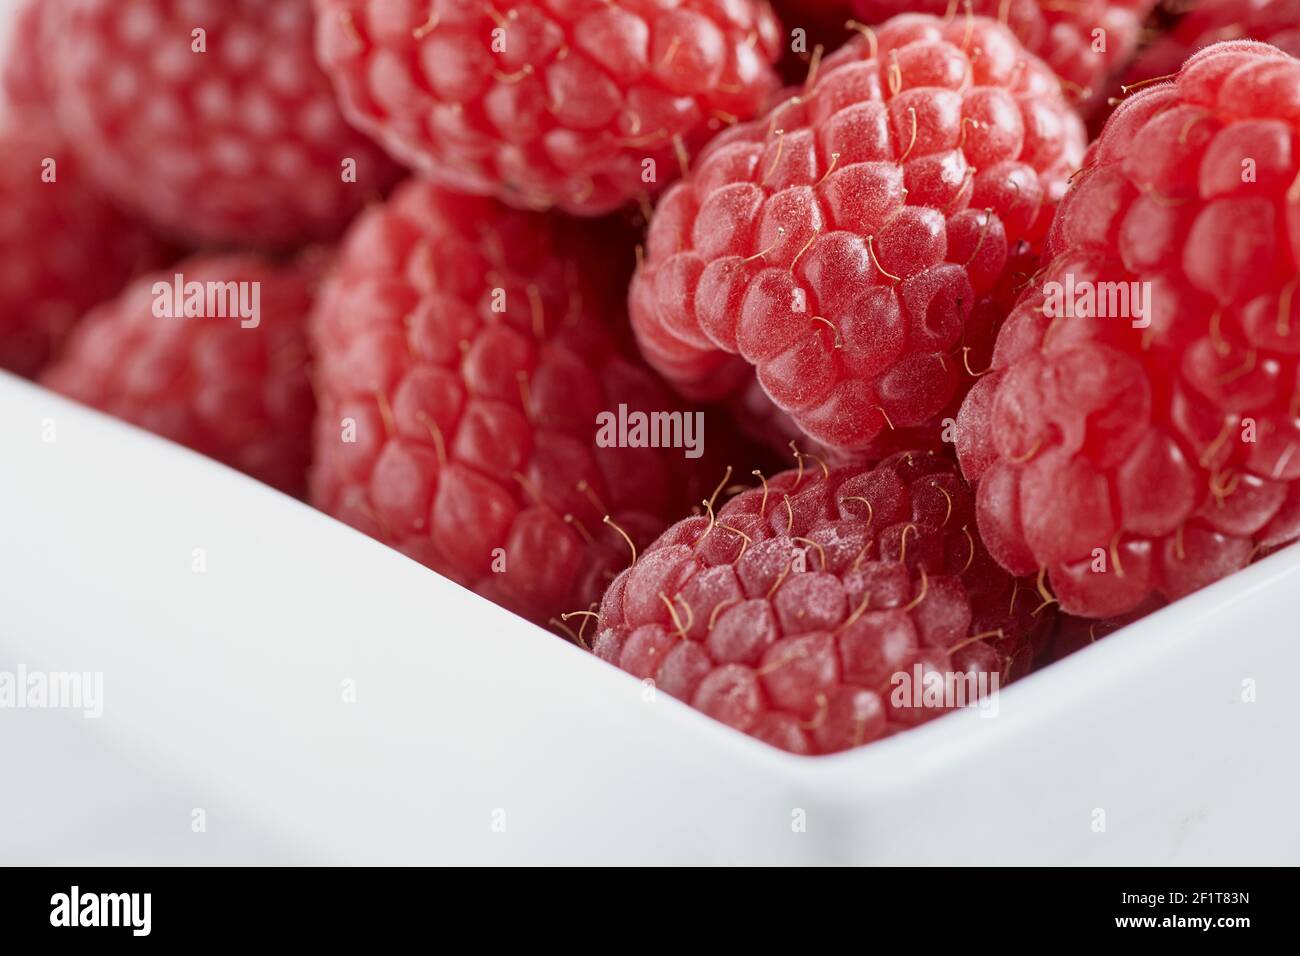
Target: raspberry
<point>1209,21</point>
<point>548,102</point>
<point>24,85</point>
<point>789,613</point>
<point>465,346</point>
<point>1272,21</point>
<point>849,245</point>
<point>232,387</point>
<point>62,247</point>
<point>1065,35</point>
<point>1136,462</point>
<point>209,118</point>
<point>767,427</point>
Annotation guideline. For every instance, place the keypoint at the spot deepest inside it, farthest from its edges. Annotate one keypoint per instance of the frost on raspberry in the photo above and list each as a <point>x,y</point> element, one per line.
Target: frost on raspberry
<point>1135,456</point>
<point>465,351</point>
<point>1083,41</point>
<point>791,612</point>
<point>212,120</point>
<point>229,382</point>
<point>582,106</point>
<point>855,247</point>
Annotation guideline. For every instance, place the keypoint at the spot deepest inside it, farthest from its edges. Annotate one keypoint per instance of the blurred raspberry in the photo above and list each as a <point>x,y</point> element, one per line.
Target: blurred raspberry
<point>1185,27</point>
<point>548,102</point>
<point>231,387</point>
<point>1211,21</point>
<point>856,247</point>
<point>1145,450</point>
<point>62,247</point>
<point>24,85</point>
<point>209,117</point>
<point>792,612</point>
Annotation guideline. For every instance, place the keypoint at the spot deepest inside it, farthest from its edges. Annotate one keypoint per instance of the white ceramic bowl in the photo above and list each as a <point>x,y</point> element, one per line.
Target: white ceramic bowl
<point>474,737</point>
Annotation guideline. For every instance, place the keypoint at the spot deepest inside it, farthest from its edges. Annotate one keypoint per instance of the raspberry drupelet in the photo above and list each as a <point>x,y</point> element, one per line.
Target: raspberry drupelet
<point>465,350</point>
<point>788,613</point>
<point>1147,452</point>
<point>581,105</point>
<point>849,247</point>
<point>210,118</point>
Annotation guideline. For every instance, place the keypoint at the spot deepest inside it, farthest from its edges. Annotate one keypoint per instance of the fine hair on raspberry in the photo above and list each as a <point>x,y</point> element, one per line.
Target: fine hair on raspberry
<point>1140,456</point>
<point>790,611</point>
<point>855,247</point>
<point>1083,42</point>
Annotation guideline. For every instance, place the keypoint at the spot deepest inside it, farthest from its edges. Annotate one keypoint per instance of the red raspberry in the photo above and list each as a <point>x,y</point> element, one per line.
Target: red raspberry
<point>1128,461</point>
<point>1063,34</point>
<point>62,247</point>
<point>239,142</point>
<point>548,102</point>
<point>230,387</point>
<point>465,346</point>
<point>789,613</point>
<point>1210,21</point>
<point>849,244</point>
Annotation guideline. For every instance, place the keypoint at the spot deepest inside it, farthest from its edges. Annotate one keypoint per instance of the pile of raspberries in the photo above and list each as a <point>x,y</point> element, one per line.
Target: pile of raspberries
<point>815,365</point>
